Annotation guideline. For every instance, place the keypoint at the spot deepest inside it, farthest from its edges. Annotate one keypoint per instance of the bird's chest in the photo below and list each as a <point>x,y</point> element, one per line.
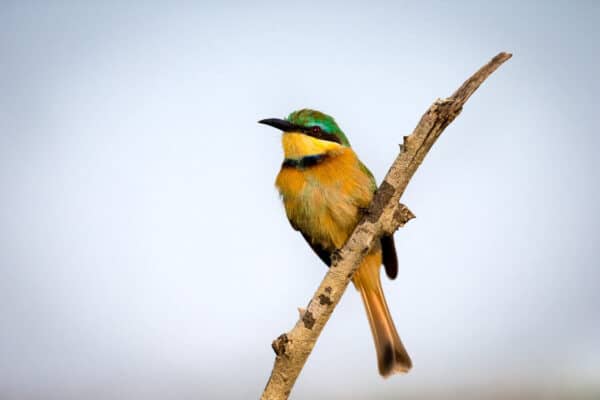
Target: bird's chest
<point>324,201</point>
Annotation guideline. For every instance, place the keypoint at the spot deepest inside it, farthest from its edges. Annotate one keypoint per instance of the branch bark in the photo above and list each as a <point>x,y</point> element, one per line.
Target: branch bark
<point>384,216</point>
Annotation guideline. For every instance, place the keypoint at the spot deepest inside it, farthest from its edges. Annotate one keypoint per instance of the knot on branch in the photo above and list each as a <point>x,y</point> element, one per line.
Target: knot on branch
<point>395,218</point>
<point>336,256</point>
<point>280,345</point>
<point>301,312</point>
<point>308,319</point>
<point>325,300</point>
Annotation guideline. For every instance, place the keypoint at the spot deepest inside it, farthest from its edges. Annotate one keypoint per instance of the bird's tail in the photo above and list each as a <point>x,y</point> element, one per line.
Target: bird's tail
<point>391,354</point>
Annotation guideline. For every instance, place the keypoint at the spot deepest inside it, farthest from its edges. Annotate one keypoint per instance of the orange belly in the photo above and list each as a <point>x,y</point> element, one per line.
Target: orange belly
<point>324,201</point>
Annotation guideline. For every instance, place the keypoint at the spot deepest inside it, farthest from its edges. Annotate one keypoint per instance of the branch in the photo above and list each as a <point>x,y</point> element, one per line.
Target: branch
<point>384,216</point>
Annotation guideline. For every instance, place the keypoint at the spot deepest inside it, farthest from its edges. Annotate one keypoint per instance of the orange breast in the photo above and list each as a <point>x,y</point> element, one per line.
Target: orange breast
<point>323,201</point>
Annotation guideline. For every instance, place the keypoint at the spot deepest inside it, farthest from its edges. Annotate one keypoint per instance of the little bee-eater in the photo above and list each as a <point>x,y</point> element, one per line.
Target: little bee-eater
<point>324,188</point>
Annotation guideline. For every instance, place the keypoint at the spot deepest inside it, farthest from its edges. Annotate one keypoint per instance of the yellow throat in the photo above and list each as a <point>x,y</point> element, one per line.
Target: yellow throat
<point>297,145</point>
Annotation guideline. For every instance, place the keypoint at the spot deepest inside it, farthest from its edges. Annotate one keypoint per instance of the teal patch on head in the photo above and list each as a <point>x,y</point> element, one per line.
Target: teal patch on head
<point>308,118</point>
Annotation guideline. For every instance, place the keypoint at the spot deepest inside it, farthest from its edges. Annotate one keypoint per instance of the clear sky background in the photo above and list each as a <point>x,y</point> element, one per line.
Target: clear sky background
<point>144,253</point>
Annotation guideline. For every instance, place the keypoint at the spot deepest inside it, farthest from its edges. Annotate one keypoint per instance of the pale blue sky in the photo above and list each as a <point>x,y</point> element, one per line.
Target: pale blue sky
<point>144,252</point>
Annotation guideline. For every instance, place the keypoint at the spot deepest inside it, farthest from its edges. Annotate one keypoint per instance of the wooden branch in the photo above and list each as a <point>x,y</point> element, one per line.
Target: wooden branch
<point>384,216</point>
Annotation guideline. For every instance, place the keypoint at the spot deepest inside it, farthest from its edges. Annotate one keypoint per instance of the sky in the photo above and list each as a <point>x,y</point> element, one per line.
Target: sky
<point>145,254</point>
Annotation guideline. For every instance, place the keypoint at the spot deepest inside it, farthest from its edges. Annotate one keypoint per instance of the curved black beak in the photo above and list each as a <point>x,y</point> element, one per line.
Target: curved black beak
<point>280,124</point>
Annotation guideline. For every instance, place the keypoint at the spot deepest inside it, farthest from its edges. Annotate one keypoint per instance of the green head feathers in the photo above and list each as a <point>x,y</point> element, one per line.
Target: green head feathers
<point>308,118</point>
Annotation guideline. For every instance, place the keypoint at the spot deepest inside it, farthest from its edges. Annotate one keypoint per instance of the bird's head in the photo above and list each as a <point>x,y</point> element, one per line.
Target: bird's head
<point>308,132</point>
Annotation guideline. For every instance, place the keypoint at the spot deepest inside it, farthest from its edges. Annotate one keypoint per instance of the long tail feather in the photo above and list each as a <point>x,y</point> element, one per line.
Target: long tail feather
<point>391,354</point>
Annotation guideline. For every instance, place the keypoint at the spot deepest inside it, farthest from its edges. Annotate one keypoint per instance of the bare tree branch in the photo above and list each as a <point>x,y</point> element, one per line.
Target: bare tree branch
<point>384,216</point>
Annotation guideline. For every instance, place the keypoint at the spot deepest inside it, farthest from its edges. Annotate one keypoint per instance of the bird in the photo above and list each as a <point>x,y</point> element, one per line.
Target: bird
<point>325,189</point>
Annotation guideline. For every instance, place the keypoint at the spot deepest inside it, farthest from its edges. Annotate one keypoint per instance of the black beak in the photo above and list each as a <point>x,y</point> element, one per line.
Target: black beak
<point>280,124</point>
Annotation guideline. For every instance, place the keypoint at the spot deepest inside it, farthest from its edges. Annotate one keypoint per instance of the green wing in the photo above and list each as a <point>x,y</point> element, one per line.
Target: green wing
<point>364,169</point>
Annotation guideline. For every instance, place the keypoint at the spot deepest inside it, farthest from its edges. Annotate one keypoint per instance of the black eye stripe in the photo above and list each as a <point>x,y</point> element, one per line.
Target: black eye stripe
<point>320,134</point>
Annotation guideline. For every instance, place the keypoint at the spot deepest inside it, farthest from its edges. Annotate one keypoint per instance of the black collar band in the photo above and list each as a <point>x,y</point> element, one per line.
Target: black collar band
<point>304,162</point>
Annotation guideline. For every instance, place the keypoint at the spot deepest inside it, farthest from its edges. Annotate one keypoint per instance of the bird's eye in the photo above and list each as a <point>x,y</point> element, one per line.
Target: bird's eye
<point>316,129</point>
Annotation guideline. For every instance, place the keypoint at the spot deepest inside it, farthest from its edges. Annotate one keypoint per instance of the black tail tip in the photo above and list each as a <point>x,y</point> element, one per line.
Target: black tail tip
<point>393,361</point>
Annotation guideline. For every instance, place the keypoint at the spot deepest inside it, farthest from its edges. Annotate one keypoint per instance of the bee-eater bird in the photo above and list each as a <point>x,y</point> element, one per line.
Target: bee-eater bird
<point>325,188</point>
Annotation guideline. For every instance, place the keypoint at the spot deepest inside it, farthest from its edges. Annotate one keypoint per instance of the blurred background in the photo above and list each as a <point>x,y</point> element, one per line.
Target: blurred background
<point>144,252</point>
